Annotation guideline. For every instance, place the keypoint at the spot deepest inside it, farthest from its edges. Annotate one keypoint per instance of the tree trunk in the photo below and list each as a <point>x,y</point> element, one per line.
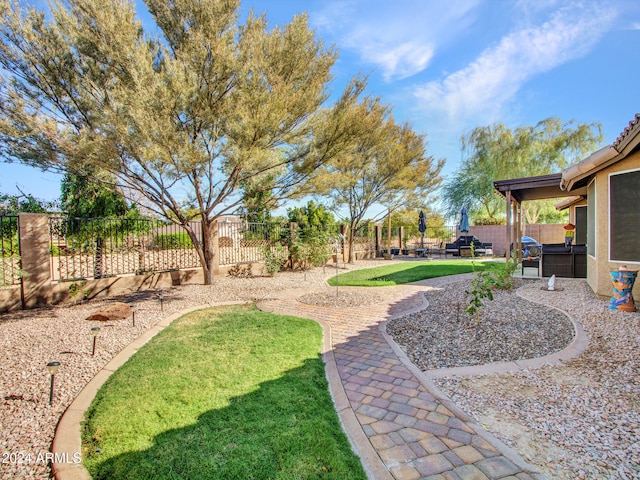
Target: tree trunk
<point>209,228</point>
<point>351,241</point>
<point>204,246</point>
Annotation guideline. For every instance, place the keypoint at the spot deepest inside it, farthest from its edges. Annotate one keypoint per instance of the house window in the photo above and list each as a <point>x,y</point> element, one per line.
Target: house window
<point>581,224</point>
<point>591,219</point>
<point>624,212</point>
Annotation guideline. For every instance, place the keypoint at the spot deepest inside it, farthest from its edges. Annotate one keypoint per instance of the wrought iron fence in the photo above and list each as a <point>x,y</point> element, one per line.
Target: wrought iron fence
<point>245,242</point>
<point>9,251</point>
<point>84,248</point>
<point>365,239</point>
<point>436,236</point>
<point>97,248</point>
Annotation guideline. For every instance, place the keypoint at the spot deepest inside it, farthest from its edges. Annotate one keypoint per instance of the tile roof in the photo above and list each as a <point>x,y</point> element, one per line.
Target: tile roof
<point>633,124</point>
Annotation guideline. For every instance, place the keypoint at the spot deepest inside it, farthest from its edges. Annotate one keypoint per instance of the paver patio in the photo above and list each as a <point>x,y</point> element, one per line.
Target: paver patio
<point>400,423</point>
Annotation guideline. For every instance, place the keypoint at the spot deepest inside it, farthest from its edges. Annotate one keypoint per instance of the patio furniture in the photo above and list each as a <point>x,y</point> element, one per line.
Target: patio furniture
<point>462,246</point>
<point>563,261</point>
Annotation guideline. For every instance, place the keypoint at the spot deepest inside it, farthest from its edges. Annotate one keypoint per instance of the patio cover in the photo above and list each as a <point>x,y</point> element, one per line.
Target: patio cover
<point>518,190</point>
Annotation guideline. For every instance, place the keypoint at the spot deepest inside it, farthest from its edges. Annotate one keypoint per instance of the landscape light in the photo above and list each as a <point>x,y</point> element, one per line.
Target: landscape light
<point>133,314</point>
<point>94,332</point>
<point>53,369</point>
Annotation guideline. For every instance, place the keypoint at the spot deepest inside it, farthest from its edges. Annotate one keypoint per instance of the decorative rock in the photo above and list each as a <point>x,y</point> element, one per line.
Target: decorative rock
<point>116,311</point>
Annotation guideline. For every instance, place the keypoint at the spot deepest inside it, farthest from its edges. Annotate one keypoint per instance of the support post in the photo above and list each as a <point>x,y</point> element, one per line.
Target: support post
<point>34,259</point>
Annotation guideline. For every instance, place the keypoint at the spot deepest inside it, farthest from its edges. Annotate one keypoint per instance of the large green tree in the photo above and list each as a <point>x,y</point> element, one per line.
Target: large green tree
<point>93,197</point>
<point>312,215</point>
<point>188,117</point>
<point>385,164</point>
<point>496,152</point>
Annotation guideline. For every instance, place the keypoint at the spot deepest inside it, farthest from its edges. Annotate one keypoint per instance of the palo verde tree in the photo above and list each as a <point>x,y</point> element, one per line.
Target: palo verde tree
<point>188,118</point>
<point>385,164</point>
<point>496,152</point>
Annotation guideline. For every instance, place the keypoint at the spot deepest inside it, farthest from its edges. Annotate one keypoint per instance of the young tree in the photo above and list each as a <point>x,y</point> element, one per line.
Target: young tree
<point>496,152</point>
<point>188,119</point>
<point>385,164</point>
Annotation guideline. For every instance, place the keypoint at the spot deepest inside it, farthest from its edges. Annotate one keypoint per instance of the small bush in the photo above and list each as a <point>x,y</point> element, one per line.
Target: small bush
<point>312,251</point>
<point>170,241</point>
<point>485,282</point>
<point>238,271</point>
<point>274,258</point>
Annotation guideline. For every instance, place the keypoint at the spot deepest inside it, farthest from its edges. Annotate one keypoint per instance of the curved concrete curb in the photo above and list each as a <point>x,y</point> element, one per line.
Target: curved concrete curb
<point>424,379</point>
<point>67,442</point>
<point>371,461</point>
<point>470,421</point>
<point>576,347</point>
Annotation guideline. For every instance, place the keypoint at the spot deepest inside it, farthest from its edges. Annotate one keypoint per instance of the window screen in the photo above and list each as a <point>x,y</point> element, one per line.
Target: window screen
<point>591,219</point>
<point>581,225</point>
<point>624,216</point>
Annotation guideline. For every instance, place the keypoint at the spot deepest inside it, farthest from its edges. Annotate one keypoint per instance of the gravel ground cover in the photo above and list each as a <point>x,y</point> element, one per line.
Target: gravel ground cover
<point>578,420</point>
<point>31,338</point>
<point>508,329</point>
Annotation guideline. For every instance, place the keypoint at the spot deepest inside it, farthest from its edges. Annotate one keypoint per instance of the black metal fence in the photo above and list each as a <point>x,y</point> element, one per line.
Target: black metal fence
<point>434,236</point>
<point>245,242</point>
<point>9,251</point>
<point>84,248</point>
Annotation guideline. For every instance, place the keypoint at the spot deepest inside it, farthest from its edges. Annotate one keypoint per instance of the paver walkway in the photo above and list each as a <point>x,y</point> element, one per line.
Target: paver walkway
<point>399,422</point>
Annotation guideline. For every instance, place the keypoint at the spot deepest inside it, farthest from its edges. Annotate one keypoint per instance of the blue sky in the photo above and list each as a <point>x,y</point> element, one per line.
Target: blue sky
<point>447,67</point>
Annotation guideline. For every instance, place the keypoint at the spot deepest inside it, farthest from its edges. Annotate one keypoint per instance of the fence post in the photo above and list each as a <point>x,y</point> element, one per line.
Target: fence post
<point>378,235</point>
<point>35,258</point>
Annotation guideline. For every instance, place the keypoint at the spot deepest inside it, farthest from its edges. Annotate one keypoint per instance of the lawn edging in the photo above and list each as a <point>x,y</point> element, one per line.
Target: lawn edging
<point>360,444</point>
<point>67,442</point>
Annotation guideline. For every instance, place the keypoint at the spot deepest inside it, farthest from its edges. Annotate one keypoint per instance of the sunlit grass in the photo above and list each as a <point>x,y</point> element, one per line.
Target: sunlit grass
<point>228,393</point>
<point>406,272</point>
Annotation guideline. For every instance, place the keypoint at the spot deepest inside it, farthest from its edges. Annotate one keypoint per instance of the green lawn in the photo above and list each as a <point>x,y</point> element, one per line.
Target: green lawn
<point>226,393</point>
<point>405,272</point>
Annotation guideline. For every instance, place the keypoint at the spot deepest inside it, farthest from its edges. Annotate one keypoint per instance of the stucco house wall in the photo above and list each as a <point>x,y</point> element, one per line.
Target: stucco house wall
<point>598,267</point>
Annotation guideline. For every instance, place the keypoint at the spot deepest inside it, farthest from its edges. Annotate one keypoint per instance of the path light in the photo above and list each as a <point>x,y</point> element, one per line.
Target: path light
<point>133,314</point>
<point>53,369</point>
<point>161,298</point>
<point>94,331</point>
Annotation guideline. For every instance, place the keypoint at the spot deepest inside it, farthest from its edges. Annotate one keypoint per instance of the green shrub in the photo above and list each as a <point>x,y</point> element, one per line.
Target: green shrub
<point>170,241</point>
<point>481,287</point>
<point>311,251</point>
<point>274,258</point>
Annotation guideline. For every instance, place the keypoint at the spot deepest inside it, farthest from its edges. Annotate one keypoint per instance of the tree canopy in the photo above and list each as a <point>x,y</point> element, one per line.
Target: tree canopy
<point>189,118</point>
<point>93,197</point>
<point>311,215</point>
<point>385,164</point>
<point>496,152</point>
<point>24,203</point>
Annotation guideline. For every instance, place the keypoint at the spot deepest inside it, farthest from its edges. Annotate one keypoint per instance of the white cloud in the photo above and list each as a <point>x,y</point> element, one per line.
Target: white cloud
<point>482,88</point>
<point>399,38</point>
